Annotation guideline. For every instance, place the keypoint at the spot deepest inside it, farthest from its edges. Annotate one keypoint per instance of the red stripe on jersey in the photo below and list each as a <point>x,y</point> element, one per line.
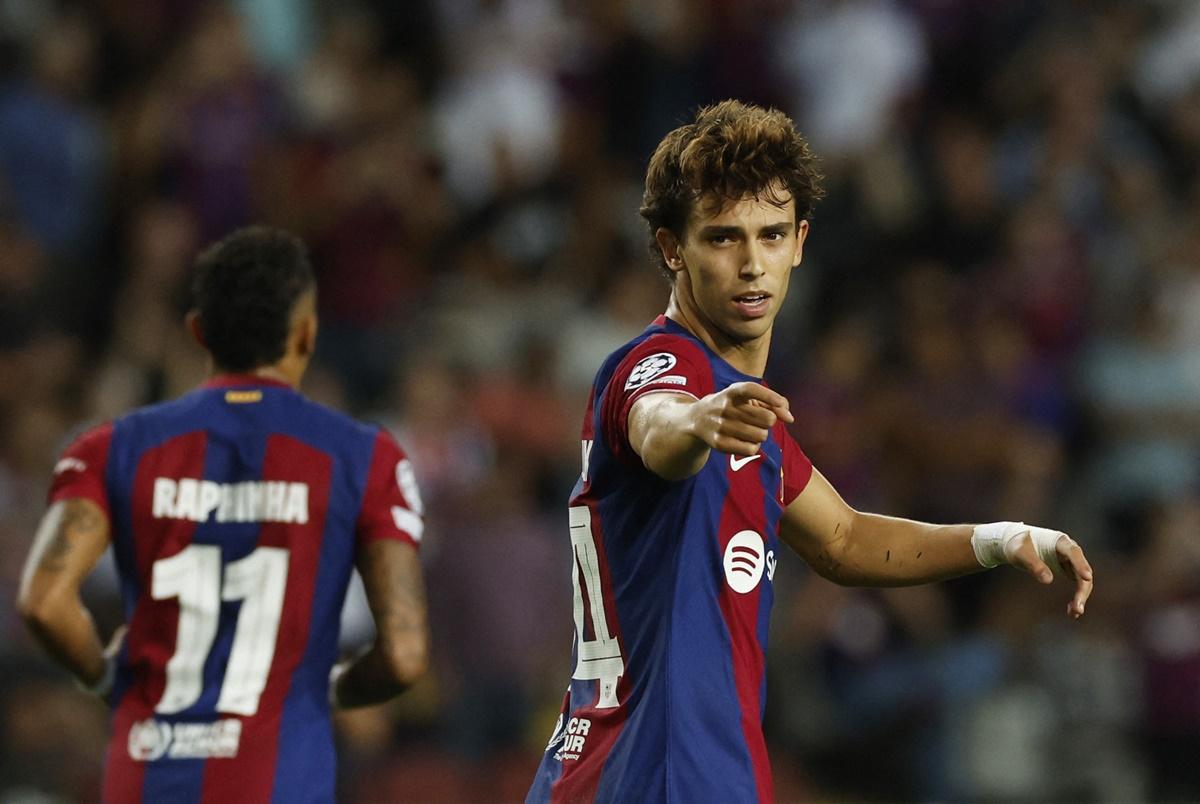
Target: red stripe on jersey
<point>681,367</point>
<point>152,628</point>
<point>123,775</point>
<point>581,777</point>
<point>796,469</point>
<point>250,776</point>
<point>744,510</point>
<point>387,510</point>
<point>80,471</point>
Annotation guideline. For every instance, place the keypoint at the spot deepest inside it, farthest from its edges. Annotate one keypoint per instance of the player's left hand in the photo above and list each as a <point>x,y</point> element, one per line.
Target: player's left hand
<point>1066,558</point>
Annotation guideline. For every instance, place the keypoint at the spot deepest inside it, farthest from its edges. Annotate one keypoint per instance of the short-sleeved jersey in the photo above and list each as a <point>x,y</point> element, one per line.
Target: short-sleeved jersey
<point>236,514</point>
<point>673,593</point>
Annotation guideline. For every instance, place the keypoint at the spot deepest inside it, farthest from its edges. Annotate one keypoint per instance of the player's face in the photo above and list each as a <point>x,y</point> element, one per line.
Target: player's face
<point>733,266</point>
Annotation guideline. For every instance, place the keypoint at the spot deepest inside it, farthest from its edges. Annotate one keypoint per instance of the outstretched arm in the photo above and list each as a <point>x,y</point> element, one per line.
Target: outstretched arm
<point>395,589</point>
<point>854,548</point>
<point>674,433</point>
<point>72,536</point>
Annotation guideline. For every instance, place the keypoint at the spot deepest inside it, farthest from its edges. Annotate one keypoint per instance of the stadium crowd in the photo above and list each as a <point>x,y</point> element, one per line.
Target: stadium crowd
<point>998,316</point>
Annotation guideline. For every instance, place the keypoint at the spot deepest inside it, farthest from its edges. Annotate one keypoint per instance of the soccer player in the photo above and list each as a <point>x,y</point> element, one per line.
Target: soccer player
<point>236,514</point>
<point>691,481</point>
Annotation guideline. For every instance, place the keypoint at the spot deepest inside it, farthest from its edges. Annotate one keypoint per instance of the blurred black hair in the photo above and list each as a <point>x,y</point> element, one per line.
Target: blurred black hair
<point>245,288</point>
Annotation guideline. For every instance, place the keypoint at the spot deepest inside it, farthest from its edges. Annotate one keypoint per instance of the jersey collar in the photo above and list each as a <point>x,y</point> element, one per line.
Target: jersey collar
<point>241,380</point>
<point>668,324</point>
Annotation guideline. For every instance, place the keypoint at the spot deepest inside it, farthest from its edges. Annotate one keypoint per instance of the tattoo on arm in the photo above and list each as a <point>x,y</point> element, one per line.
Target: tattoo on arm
<point>402,613</point>
<point>78,518</point>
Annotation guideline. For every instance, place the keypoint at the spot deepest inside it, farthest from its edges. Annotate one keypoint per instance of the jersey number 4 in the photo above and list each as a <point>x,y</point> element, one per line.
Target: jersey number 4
<point>599,657</point>
<point>194,576</point>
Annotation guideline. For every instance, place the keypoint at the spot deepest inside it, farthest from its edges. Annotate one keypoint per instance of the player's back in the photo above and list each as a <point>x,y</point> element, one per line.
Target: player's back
<point>235,515</point>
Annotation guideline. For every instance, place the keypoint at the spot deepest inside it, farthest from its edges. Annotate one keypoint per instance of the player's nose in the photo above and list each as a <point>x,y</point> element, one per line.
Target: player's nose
<point>753,262</point>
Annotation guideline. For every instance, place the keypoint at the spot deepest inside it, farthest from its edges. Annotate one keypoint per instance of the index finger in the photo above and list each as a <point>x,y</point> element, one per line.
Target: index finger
<point>1073,555</point>
<point>754,392</point>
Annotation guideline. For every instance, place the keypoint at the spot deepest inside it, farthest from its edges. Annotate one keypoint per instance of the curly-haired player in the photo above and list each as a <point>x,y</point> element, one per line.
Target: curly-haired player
<point>691,482</point>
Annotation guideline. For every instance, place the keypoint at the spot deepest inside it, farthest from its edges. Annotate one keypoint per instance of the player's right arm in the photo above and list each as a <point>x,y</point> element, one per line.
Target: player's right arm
<point>673,433</point>
<point>72,536</point>
<point>391,574</point>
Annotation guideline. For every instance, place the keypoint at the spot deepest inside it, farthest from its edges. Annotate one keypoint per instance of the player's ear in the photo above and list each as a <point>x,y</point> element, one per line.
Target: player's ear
<point>801,236</point>
<point>669,244</point>
<point>306,336</point>
<point>192,320</point>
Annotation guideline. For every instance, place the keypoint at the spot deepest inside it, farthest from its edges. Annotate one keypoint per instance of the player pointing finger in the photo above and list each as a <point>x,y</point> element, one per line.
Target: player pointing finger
<point>675,545</point>
<point>738,419</point>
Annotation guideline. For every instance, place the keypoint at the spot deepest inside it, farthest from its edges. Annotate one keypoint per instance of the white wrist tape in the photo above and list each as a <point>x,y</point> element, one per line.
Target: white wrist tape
<point>103,685</point>
<point>989,540</point>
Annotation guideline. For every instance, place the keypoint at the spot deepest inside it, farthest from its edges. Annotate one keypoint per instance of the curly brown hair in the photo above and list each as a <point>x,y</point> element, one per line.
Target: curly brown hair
<point>731,151</point>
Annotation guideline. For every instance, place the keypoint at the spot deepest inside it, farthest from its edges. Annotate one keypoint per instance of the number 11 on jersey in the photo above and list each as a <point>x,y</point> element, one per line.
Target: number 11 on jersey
<point>599,657</point>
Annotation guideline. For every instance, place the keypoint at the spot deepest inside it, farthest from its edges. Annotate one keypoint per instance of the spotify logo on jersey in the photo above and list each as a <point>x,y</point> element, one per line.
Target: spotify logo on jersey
<point>745,558</point>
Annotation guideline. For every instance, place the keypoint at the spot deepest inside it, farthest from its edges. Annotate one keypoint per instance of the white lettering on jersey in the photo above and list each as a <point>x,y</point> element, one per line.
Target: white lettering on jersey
<point>409,522</point>
<point>744,561</point>
<point>573,739</point>
<point>252,501</point>
<point>164,498</point>
<point>586,450</point>
<point>771,562</point>
<point>648,368</point>
<point>406,479</point>
<point>153,739</point>
<point>275,492</point>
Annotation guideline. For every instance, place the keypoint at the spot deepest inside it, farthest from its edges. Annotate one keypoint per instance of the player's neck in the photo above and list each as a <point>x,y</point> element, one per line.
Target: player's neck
<point>748,357</point>
<point>279,372</point>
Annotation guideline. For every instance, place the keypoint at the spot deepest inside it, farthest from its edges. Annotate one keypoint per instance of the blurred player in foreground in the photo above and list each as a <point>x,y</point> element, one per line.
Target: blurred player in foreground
<point>690,481</point>
<point>236,514</point>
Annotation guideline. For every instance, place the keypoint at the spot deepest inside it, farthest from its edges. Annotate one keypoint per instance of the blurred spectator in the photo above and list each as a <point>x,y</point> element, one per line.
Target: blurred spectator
<point>53,149</point>
<point>998,311</point>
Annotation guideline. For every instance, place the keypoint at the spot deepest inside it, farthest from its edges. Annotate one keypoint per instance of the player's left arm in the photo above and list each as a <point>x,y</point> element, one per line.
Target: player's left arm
<point>389,529</point>
<point>860,549</point>
<point>72,536</point>
<point>391,573</point>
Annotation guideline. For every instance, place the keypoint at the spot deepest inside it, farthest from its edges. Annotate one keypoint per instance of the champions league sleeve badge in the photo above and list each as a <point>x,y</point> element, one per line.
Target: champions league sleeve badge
<point>648,368</point>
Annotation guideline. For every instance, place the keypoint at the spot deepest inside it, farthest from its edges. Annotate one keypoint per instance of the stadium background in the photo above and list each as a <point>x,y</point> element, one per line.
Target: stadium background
<point>998,316</point>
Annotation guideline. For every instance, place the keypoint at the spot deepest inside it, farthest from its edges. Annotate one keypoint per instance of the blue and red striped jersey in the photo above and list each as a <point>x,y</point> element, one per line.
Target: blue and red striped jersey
<point>673,592</point>
<point>236,511</point>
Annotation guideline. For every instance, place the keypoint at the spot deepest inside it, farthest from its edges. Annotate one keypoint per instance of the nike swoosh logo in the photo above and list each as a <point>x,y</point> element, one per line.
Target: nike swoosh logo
<point>737,463</point>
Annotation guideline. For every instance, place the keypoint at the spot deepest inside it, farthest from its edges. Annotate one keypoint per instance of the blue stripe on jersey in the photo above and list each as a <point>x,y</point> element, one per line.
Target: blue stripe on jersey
<point>117,468</point>
<point>226,459</point>
<point>174,780</point>
<point>123,454</point>
<point>305,733</point>
<point>771,479</point>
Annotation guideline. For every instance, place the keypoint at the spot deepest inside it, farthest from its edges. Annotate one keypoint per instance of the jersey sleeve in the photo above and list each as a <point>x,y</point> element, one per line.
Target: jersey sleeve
<point>80,471</point>
<point>660,364</point>
<point>391,507</point>
<point>797,468</point>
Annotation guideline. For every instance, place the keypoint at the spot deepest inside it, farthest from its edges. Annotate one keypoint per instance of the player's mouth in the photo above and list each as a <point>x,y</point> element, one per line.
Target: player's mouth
<point>752,305</point>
